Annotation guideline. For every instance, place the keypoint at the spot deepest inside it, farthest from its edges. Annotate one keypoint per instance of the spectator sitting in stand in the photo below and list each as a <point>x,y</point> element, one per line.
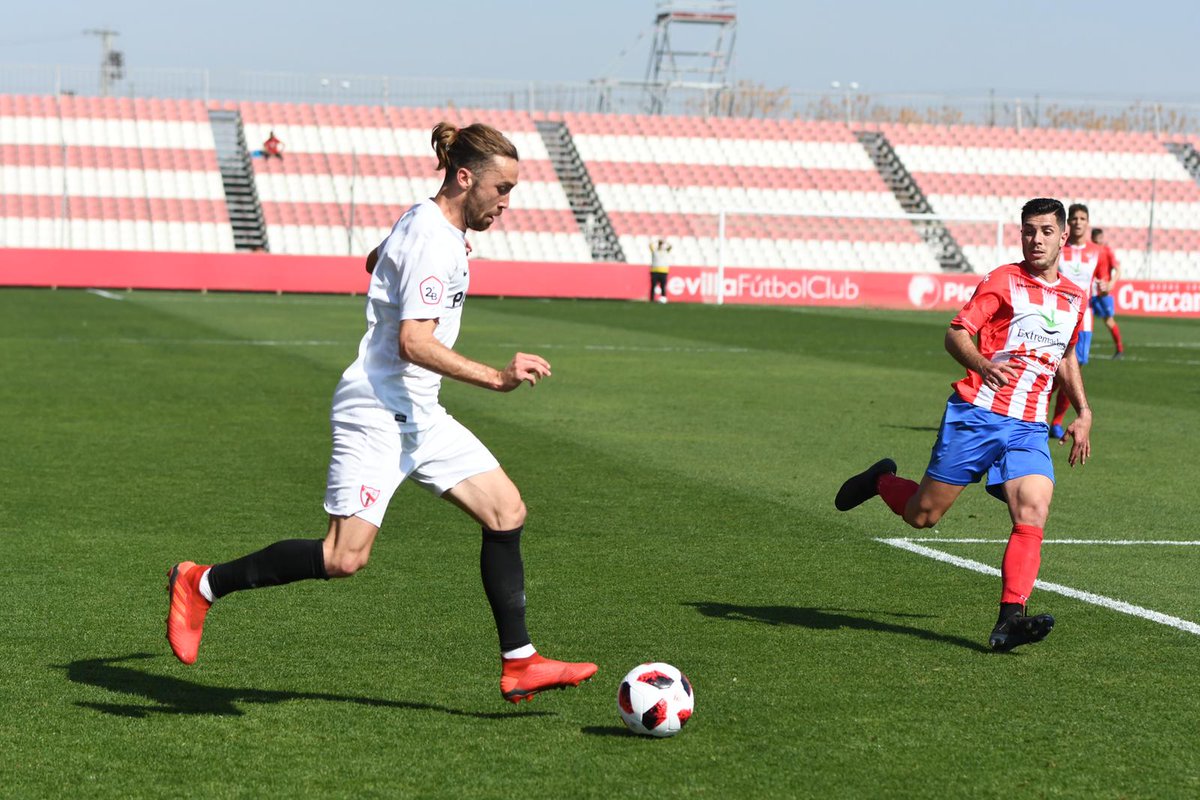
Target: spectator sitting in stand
<point>272,147</point>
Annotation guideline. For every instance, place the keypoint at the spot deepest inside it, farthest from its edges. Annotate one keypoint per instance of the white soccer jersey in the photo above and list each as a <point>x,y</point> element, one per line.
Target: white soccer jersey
<point>1078,264</point>
<point>421,274</point>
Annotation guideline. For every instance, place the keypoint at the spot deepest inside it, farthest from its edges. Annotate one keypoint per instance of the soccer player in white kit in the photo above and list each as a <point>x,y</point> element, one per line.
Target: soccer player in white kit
<point>388,424</point>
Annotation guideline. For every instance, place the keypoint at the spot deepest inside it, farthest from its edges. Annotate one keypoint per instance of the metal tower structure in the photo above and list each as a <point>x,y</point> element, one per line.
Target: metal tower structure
<point>693,50</point>
<point>112,62</point>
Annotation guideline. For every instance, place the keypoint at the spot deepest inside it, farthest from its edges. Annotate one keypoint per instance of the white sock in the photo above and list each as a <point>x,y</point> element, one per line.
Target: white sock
<point>520,652</point>
<point>205,589</point>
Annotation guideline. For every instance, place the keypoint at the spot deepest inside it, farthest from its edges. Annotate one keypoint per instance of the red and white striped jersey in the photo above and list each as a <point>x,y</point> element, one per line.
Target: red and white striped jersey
<point>1028,323</point>
<point>1081,264</point>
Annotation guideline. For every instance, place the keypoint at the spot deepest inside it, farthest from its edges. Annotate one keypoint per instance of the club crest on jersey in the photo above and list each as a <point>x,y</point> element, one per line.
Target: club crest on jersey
<point>431,291</point>
<point>368,495</point>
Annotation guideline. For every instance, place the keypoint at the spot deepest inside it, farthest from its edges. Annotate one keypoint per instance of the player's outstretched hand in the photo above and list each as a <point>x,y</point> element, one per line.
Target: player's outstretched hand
<point>996,374</point>
<point>524,367</point>
<point>1081,443</point>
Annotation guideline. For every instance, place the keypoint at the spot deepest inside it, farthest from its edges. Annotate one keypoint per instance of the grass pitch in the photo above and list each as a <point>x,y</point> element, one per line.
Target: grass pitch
<point>679,468</point>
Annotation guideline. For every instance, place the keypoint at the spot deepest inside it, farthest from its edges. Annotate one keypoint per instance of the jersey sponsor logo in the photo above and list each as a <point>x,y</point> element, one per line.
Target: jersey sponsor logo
<point>455,300</point>
<point>368,495</point>
<point>1036,322</point>
<point>431,291</point>
<point>1048,338</point>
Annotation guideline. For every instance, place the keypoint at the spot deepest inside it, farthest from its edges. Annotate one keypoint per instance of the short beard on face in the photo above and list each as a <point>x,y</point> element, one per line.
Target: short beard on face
<point>474,214</point>
<point>1045,262</point>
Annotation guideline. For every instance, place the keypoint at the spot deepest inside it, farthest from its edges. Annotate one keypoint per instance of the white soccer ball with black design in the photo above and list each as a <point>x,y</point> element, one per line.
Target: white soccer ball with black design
<point>655,699</point>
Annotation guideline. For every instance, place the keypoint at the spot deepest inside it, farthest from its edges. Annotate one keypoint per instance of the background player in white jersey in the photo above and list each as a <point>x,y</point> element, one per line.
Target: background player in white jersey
<point>1027,321</point>
<point>389,426</point>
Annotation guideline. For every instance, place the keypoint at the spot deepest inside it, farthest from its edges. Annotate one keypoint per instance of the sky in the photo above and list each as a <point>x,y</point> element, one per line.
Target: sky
<point>1066,48</point>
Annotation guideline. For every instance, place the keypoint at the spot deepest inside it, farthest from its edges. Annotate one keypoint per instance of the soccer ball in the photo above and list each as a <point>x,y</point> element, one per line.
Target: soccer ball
<point>655,699</point>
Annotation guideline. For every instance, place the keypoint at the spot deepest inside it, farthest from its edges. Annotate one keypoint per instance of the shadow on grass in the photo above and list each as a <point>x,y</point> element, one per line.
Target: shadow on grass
<point>827,619</point>
<point>609,730</point>
<point>917,428</point>
<point>169,695</point>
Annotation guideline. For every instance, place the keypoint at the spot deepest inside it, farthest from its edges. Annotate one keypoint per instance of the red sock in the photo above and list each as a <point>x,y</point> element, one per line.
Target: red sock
<point>1061,404</point>
<point>1022,558</point>
<point>895,491</point>
<point>1116,332</point>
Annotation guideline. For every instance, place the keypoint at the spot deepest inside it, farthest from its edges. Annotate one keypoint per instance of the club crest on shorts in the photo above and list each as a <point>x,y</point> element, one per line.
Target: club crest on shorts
<point>368,495</point>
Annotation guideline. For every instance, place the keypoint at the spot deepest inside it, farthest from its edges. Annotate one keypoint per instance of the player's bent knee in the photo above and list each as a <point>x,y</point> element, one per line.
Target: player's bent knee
<point>510,516</point>
<point>922,519</point>
<point>1035,515</point>
<point>920,515</point>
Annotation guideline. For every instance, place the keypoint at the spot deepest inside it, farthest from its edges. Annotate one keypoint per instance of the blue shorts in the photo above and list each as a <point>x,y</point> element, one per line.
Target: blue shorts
<point>1103,307</point>
<point>973,440</point>
<point>1083,346</point>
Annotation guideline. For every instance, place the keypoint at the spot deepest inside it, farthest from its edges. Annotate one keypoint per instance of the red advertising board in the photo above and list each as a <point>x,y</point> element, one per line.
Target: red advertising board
<point>263,272</point>
<point>898,290</point>
<point>821,288</point>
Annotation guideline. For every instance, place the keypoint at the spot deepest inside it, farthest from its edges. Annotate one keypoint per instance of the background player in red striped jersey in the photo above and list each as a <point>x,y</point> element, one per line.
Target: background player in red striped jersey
<point>1102,301</point>
<point>1079,263</point>
<point>1027,320</point>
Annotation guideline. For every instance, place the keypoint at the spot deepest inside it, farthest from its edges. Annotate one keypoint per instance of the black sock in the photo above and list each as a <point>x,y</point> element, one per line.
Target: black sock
<point>503,575</point>
<point>280,563</point>
<point>1010,610</point>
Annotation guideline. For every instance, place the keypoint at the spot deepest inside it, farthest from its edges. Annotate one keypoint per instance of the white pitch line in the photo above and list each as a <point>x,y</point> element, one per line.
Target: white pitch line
<point>1119,542</point>
<point>347,343</point>
<point>1171,345</point>
<point>216,342</point>
<point>105,295</point>
<point>1110,603</point>
<point>621,348</point>
<point>241,342</point>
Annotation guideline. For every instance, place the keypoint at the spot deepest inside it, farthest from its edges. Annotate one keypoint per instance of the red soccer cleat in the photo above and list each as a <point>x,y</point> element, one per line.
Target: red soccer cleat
<point>185,619</point>
<point>522,678</point>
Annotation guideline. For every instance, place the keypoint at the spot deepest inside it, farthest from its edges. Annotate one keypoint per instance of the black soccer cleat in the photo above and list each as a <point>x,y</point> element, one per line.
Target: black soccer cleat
<point>1018,630</point>
<point>861,488</point>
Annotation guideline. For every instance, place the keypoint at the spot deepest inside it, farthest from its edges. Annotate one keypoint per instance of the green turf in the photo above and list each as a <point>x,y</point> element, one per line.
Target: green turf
<point>679,469</point>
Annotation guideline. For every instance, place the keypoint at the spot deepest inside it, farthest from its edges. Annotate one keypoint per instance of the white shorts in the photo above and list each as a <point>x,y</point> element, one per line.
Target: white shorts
<point>369,463</point>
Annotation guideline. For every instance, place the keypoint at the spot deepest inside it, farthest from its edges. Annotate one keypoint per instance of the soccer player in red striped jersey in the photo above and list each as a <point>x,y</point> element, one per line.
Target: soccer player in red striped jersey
<point>1081,262</point>
<point>1026,317</point>
<point>1102,301</point>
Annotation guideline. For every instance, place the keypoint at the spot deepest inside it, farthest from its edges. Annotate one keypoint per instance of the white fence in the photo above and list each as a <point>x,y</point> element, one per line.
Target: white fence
<point>1159,115</point>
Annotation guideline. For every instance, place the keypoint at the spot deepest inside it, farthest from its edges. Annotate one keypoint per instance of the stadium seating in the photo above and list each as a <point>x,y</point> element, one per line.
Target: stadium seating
<point>119,173</point>
<point>375,162</point>
<point>670,176</point>
<point>978,171</point>
<point>110,173</point>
